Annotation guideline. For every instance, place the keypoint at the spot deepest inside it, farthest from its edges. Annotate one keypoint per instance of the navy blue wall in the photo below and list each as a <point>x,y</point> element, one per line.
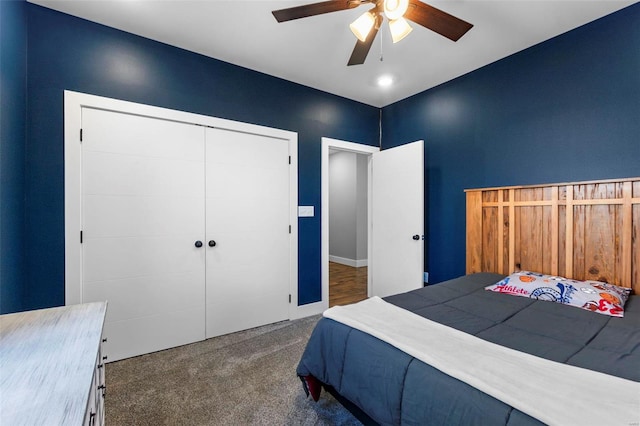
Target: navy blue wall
<point>13,81</point>
<point>67,53</point>
<point>564,110</point>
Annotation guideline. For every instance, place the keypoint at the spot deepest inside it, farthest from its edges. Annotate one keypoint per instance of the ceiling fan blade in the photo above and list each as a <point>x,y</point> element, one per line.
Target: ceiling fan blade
<point>313,9</point>
<point>436,20</point>
<point>362,48</point>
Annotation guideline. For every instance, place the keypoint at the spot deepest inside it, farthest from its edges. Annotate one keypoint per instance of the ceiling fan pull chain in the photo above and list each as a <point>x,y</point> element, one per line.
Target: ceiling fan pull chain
<point>381,56</point>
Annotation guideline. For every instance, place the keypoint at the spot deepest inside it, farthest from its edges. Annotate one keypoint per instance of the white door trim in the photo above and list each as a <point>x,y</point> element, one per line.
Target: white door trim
<point>328,143</point>
<point>73,104</point>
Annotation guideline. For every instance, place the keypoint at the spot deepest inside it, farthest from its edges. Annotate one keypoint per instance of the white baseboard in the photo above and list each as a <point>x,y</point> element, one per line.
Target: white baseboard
<point>349,262</point>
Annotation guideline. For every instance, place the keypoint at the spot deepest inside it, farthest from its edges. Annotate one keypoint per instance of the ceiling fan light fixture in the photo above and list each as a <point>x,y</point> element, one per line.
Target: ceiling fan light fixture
<point>395,9</point>
<point>362,26</point>
<point>400,28</point>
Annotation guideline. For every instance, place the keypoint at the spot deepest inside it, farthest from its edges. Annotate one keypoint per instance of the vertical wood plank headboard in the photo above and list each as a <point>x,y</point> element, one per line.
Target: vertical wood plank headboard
<point>580,230</point>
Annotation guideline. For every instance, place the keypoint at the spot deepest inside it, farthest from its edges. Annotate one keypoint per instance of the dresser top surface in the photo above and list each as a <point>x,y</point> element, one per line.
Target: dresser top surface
<point>47,362</point>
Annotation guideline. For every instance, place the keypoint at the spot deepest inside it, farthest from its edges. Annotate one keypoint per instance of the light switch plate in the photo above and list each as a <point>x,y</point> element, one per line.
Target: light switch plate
<point>306,211</point>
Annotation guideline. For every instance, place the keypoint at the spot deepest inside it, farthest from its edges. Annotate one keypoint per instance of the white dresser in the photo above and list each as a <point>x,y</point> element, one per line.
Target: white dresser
<point>51,366</point>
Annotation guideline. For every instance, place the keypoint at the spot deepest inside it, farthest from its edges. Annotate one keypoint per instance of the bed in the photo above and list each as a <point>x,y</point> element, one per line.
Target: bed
<point>579,231</point>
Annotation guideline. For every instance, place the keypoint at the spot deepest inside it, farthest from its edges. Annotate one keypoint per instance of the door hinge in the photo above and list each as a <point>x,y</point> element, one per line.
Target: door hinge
<point>289,298</point>
<point>80,135</point>
<point>80,237</point>
<point>289,159</point>
<point>289,228</point>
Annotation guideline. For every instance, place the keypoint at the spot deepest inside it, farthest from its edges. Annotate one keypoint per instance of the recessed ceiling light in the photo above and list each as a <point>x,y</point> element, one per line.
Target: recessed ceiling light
<point>385,81</point>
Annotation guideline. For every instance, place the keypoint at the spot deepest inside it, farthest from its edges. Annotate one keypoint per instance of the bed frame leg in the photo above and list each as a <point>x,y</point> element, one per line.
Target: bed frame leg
<point>311,386</point>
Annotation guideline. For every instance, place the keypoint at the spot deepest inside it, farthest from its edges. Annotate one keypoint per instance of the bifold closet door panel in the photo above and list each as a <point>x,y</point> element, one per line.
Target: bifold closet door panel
<point>247,209</point>
<point>143,211</point>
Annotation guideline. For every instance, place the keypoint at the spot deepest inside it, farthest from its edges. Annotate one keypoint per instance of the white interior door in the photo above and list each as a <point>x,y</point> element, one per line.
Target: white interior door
<point>142,211</point>
<point>397,219</point>
<point>247,205</point>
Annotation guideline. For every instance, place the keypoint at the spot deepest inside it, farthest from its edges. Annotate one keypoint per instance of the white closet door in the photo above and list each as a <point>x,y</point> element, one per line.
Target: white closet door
<point>247,205</point>
<point>143,210</point>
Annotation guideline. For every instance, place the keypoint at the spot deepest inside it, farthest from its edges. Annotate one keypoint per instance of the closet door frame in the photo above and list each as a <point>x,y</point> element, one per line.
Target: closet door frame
<point>74,102</point>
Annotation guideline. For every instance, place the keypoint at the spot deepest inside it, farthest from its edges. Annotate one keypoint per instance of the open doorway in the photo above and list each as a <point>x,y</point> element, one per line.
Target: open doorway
<point>348,233</point>
<point>345,221</point>
<point>395,252</point>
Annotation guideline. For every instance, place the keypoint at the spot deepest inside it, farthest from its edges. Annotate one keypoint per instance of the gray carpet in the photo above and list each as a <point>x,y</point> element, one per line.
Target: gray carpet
<point>245,378</point>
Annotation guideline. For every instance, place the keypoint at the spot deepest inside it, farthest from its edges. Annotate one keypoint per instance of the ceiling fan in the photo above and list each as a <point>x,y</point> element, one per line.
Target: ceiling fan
<point>366,27</point>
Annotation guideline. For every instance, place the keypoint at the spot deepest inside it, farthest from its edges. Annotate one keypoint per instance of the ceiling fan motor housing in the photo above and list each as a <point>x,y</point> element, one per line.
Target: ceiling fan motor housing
<point>394,9</point>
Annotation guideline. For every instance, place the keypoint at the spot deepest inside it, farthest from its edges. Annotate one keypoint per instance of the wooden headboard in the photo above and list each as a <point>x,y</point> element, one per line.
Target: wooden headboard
<point>579,230</point>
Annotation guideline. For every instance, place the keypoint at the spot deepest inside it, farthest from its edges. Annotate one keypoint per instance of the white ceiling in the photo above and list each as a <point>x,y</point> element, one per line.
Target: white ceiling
<point>314,51</point>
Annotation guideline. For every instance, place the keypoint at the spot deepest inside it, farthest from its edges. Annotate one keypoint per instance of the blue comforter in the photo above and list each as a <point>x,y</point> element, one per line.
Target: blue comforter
<point>393,388</point>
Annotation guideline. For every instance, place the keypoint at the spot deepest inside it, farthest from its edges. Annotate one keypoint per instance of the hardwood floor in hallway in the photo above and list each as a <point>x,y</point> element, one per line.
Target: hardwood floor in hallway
<point>346,284</point>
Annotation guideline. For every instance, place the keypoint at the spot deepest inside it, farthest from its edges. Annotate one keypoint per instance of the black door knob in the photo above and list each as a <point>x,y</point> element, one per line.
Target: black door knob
<point>416,237</point>
<point>212,243</point>
<point>198,243</point>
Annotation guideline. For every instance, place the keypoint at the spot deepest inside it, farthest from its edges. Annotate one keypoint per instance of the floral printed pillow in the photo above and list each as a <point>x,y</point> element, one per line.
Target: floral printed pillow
<point>593,296</point>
